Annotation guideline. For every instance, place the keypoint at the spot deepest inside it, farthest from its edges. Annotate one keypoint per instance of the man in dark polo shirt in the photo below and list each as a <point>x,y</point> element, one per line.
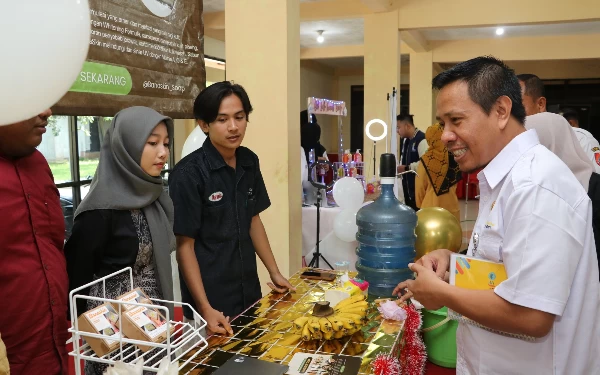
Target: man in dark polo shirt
<point>33,277</point>
<point>414,146</point>
<point>218,193</point>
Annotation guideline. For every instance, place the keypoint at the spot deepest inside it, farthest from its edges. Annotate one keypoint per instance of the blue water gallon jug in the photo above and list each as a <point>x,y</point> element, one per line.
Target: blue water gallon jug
<point>386,236</point>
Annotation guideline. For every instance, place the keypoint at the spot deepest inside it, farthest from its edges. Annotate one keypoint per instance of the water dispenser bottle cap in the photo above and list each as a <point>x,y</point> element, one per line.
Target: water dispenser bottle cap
<point>387,165</point>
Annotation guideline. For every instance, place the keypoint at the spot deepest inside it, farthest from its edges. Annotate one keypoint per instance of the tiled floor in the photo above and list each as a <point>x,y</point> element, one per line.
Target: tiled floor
<point>468,215</point>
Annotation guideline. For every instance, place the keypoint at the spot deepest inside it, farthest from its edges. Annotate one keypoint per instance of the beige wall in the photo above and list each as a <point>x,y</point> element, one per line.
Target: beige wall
<point>559,69</point>
<point>182,129</point>
<point>344,93</point>
<point>317,80</point>
<point>269,69</point>
<point>421,94</point>
<point>214,48</point>
<point>214,75</point>
<point>552,47</point>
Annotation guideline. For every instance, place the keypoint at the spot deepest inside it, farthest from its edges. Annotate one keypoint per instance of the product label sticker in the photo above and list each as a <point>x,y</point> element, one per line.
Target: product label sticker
<point>216,196</point>
<point>105,320</point>
<point>136,297</point>
<point>148,320</point>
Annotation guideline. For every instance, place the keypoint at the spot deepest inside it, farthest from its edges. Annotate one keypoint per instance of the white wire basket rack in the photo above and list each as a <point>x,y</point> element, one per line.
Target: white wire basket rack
<point>184,340</point>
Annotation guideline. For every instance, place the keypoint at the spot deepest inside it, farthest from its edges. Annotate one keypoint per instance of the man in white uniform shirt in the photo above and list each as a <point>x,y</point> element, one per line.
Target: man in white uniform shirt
<point>535,217</point>
<point>534,100</point>
<point>587,141</point>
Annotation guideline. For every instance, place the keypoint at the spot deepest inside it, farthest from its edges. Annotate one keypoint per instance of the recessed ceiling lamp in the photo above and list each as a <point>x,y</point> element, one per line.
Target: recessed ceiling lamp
<point>320,38</point>
<point>500,31</point>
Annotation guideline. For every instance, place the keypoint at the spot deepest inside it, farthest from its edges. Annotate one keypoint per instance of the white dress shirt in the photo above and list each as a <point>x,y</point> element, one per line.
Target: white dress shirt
<point>590,145</point>
<point>535,217</point>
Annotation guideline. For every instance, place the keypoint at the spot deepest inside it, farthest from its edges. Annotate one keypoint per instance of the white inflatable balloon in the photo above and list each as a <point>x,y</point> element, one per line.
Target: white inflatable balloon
<point>44,45</point>
<point>344,225</point>
<point>193,142</point>
<point>348,193</point>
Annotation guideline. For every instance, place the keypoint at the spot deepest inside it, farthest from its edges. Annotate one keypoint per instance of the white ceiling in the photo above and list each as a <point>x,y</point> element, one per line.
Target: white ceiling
<point>514,31</point>
<point>211,6</point>
<point>336,32</point>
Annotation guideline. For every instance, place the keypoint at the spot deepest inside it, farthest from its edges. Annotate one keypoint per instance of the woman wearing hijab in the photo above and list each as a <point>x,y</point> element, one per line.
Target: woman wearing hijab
<point>437,175</point>
<point>126,220</point>
<point>556,134</point>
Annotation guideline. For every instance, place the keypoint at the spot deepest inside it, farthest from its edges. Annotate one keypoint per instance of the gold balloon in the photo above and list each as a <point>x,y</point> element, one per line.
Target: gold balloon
<point>437,228</point>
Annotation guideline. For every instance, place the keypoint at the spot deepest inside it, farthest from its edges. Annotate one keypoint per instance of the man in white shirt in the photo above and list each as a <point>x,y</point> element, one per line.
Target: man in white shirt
<point>534,217</point>
<point>534,101</point>
<point>587,141</point>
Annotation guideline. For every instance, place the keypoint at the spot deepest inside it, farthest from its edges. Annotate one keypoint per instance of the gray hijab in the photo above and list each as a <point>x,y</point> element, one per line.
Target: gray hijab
<point>120,183</point>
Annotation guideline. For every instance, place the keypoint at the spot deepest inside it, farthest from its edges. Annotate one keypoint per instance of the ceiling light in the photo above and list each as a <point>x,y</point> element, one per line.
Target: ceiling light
<point>500,31</point>
<point>320,38</point>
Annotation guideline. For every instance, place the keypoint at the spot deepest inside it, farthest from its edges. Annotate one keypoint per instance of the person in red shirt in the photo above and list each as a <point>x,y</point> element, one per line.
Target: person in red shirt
<point>33,278</point>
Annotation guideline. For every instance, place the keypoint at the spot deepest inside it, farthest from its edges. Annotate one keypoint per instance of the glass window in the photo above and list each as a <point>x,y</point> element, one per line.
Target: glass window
<point>90,135</point>
<point>55,147</point>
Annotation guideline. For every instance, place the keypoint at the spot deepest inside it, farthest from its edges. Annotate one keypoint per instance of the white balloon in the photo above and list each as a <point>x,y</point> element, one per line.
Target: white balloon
<point>348,193</point>
<point>193,142</point>
<point>344,225</point>
<point>44,45</point>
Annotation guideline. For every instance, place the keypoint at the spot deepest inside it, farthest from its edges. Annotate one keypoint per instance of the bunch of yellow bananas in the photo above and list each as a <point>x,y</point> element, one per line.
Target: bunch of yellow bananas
<point>347,319</point>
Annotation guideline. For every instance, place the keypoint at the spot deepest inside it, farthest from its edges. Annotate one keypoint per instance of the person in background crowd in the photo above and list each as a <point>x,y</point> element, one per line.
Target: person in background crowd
<point>554,133</point>
<point>587,141</point>
<point>437,175</point>
<point>572,116</point>
<point>126,219</point>
<point>534,101</point>
<point>413,148</point>
<point>33,281</point>
<point>310,137</point>
<point>219,192</point>
<point>533,93</point>
<point>534,218</point>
